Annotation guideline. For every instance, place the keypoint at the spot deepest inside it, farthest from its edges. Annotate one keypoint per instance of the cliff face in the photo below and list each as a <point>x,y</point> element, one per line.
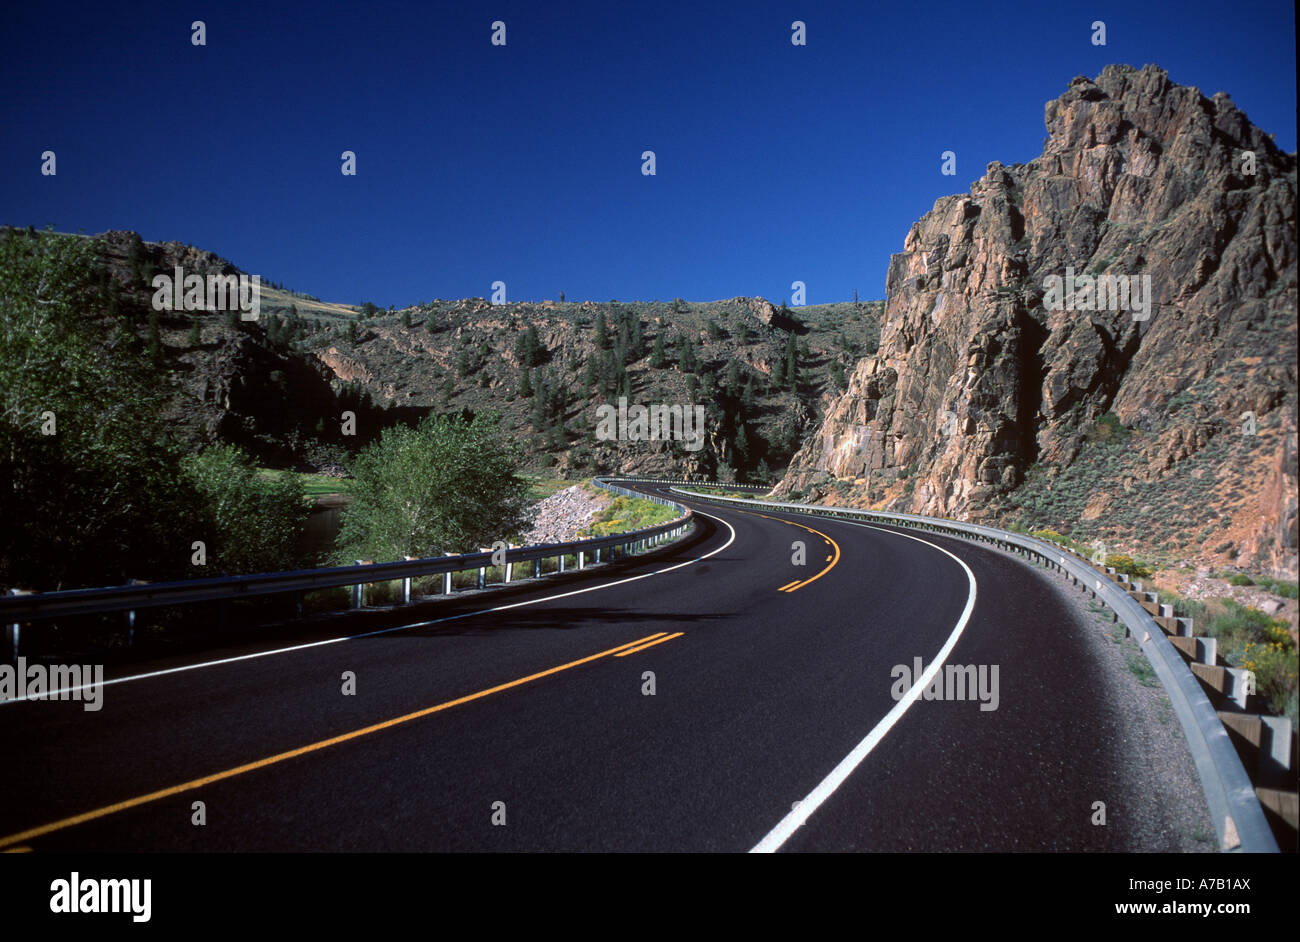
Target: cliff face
<point>986,376</point>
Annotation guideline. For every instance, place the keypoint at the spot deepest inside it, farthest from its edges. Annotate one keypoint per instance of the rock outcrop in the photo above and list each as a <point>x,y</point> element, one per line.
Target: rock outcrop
<point>985,374</point>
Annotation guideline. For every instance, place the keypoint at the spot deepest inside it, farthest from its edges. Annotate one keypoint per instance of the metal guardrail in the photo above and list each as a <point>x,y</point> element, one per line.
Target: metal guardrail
<point>1231,798</point>
<point>15,609</point>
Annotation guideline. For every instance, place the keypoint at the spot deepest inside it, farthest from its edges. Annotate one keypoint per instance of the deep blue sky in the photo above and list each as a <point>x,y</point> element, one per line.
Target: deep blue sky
<point>478,163</point>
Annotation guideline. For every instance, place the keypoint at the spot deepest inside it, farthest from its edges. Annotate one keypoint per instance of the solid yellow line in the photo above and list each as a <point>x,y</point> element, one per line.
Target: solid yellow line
<point>294,753</point>
<point>789,584</point>
<point>650,645</point>
<point>17,850</point>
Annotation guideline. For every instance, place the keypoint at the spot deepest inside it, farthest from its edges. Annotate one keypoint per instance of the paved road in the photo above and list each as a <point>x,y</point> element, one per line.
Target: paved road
<point>767,678</point>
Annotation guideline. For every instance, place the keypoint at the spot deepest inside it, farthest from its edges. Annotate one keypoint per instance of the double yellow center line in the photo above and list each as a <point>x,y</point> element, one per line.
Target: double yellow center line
<point>831,560</point>
<point>622,650</point>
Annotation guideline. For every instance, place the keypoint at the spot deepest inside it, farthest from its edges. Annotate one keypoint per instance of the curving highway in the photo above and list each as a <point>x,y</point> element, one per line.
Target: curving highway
<point>712,696</point>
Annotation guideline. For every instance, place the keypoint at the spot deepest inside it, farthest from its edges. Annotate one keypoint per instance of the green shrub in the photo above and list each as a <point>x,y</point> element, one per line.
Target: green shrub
<point>1128,566</point>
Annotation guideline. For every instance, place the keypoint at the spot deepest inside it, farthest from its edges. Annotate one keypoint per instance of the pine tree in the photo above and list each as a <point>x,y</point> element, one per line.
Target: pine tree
<point>155,341</point>
<point>637,348</point>
<point>741,444</point>
<point>733,377</point>
<point>602,332</point>
<point>658,359</point>
<point>525,383</point>
<point>196,336</point>
<point>686,357</point>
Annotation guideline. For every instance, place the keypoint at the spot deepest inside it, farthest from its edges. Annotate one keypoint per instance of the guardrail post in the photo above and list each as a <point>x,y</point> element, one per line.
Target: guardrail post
<point>1207,650</point>
<point>561,562</point>
<point>582,560</point>
<point>508,566</point>
<point>1275,751</point>
<point>1238,687</point>
<point>14,629</point>
<point>406,585</point>
<point>130,615</point>
<point>359,590</point>
<point>537,568</point>
<point>482,570</point>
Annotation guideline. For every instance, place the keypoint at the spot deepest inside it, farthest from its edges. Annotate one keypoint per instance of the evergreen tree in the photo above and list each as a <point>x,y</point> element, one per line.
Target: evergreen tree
<point>686,357</point>
<point>602,332</point>
<point>636,347</point>
<point>155,341</point>
<point>741,444</point>
<point>658,359</point>
<point>733,377</point>
<point>196,336</point>
<point>525,383</point>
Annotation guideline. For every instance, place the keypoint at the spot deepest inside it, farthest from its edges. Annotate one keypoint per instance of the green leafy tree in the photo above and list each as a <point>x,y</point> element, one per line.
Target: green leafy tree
<point>447,485</point>
<point>249,523</point>
<point>88,474</point>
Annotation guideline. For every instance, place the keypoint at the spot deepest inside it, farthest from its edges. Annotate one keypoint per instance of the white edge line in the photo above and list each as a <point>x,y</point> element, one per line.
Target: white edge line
<point>803,810</point>
<point>57,694</point>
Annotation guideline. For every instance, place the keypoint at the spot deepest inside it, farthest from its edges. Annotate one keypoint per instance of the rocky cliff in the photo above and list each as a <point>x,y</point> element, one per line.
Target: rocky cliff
<point>1007,386</point>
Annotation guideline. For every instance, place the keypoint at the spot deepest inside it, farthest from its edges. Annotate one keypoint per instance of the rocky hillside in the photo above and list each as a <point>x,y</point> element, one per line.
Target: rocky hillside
<point>993,396</point>
<point>547,366</point>
<point>278,386</point>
